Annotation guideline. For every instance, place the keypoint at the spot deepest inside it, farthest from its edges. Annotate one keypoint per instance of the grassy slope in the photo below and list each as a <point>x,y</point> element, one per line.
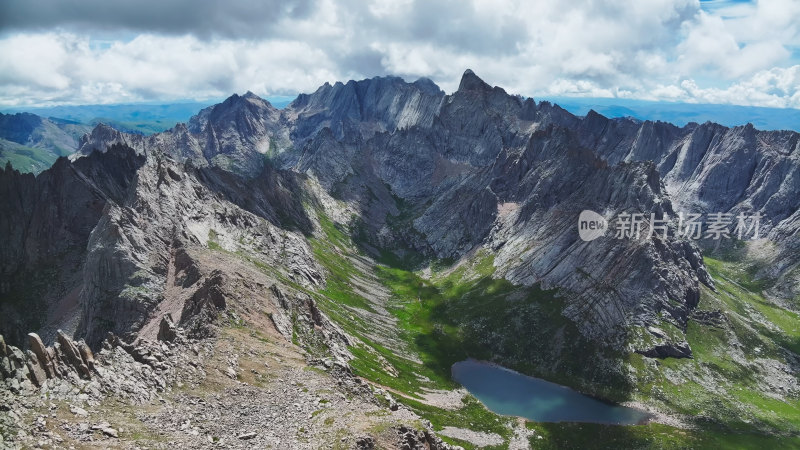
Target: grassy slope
<point>25,159</point>
<point>331,252</point>
<point>587,435</point>
<point>723,386</point>
<point>467,313</point>
<point>464,312</point>
<point>730,357</point>
<point>50,141</point>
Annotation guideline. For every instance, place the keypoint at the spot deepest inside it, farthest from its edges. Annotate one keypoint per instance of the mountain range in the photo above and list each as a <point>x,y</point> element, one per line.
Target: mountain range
<point>32,143</point>
<point>681,114</point>
<point>390,229</point>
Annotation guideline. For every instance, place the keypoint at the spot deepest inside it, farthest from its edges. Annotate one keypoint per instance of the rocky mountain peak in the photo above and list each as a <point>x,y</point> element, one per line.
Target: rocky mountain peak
<point>358,109</point>
<point>18,127</point>
<point>424,144</point>
<point>471,82</point>
<point>428,86</point>
<point>251,95</point>
<point>102,137</point>
<point>237,101</point>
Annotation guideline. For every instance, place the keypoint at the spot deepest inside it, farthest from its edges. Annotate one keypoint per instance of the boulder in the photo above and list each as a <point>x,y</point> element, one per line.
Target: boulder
<point>78,411</point>
<point>86,354</point>
<point>36,371</point>
<point>411,439</point>
<point>38,348</point>
<point>365,443</point>
<point>668,350</point>
<point>167,331</point>
<point>73,355</point>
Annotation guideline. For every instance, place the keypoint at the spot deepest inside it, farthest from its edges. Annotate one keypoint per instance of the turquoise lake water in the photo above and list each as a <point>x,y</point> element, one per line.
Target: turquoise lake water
<point>510,393</point>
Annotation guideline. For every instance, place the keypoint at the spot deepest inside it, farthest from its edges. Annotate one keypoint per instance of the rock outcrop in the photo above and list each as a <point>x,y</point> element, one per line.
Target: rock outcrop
<point>47,221</point>
<point>412,439</point>
<point>22,371</point>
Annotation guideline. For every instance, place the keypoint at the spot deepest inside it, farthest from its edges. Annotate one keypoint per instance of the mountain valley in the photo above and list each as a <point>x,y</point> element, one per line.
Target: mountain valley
<point>305,277</point>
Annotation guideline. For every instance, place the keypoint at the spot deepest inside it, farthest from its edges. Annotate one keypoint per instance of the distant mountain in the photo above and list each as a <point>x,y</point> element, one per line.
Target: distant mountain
<point>32,143</point>
<point>683,113</point>
<point>133,118</point>
<point>32,138</point>
<point>139,118</point>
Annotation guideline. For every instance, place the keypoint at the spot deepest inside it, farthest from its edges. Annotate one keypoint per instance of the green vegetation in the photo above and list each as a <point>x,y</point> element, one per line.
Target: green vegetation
<point>462,311</point>
<point>467,313</point>
<point>654,435</point>
<point>331,252</point>
<point>743,296</point>
<point>457,313</point>
<point>132,292</point>
<point>35,150</point>
<point>473,415</point>
<point>213,240</point>
<point>725,385</point>
<point>25,159</point>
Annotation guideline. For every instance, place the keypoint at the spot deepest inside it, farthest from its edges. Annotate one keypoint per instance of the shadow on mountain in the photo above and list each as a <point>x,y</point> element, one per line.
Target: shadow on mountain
<point>274,195</point>
<point>46,224</point>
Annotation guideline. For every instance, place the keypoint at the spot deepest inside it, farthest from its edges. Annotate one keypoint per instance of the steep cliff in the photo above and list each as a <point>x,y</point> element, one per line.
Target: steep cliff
<point>478,168</point>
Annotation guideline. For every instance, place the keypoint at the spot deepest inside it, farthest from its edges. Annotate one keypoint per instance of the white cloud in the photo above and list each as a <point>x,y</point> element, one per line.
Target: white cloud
<point>777,87</point>
<point>34,60</point>
<point>763,20</point>
<point>63,67</point>
<point>660,49</point>
<point>710,46</point>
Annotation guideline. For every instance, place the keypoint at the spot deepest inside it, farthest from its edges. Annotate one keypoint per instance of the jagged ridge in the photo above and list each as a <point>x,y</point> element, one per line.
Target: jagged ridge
<point>479,167</point>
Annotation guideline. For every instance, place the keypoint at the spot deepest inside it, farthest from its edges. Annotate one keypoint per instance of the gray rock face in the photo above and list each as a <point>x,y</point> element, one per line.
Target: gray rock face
<point>491,171</point>
<point>537,241</point>
<point>166,329</point>
<point>486,151</point>
<point>363,108</point>
<point>172,206</point>
<point>46,222</point>
<point>239,133</point>
<point>440,174</point>
<point>243,132</point>
<point>107,224</point>
<point>709,168</point>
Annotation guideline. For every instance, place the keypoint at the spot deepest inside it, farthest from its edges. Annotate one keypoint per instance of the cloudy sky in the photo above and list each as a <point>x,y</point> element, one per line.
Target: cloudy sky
<point>101,51</point>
